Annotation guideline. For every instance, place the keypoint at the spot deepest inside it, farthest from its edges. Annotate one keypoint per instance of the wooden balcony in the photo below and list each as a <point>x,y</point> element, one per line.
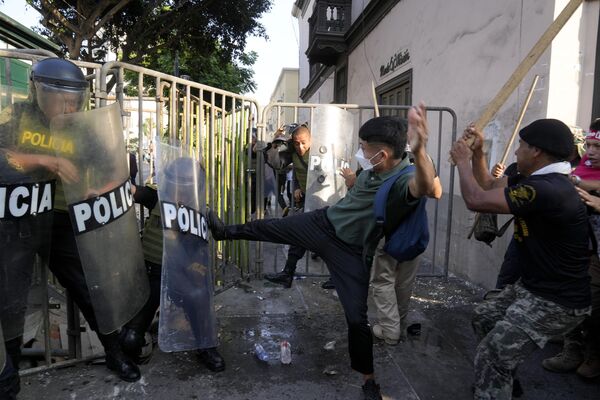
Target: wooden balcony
<point>328,25</point>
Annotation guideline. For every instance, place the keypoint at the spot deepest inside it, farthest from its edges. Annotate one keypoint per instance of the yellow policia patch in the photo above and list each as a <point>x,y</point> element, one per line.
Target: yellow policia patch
<point>522,194</point>
<point>47,141</point>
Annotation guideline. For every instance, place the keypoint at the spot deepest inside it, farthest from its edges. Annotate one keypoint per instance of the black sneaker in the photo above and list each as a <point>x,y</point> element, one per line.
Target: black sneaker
<point>371,390</point>
<point>216,226</point>
<point>284,278</point>
<point>212,359</point>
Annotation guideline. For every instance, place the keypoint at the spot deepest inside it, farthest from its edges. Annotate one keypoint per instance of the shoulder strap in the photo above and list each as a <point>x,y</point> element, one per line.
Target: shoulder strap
<point>504,227</point>
<point>381,196</point>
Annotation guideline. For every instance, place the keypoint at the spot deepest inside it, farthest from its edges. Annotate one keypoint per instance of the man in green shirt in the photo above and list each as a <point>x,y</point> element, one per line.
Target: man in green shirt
<point>345,235</point>
<point>297,154</point>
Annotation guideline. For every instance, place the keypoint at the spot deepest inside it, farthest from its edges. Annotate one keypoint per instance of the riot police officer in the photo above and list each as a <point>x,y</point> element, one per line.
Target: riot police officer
<point>32,157</point>
<point>180,257</point>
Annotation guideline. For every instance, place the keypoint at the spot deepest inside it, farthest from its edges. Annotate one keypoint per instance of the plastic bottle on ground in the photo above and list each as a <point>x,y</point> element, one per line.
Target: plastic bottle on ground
<point>286,352</point>
<point>260,352</point>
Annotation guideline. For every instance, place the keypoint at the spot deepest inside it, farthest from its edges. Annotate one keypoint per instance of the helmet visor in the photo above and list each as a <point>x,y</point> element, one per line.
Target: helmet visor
<point>56,100</point>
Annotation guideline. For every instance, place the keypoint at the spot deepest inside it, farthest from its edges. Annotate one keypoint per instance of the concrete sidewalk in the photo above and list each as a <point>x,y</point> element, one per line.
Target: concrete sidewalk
<point>437,364</point>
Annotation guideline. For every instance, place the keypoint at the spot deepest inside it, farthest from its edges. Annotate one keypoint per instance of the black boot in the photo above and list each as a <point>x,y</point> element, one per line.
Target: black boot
<point>131,343</point>
<point>116,360</point>
<point>216,226</point>
<point>212,359</point>
<point>285,277</point>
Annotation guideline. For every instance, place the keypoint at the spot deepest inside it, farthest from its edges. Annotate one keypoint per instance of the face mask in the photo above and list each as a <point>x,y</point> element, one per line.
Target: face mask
<point>365,163</point>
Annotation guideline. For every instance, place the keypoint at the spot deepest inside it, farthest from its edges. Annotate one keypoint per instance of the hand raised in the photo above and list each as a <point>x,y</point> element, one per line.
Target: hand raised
<point>460,151</point>
<point>473,137</point>
<point>418,131</point>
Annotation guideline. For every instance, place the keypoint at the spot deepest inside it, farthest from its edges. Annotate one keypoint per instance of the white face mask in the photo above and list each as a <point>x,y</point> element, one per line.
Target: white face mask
<point>365,163</point>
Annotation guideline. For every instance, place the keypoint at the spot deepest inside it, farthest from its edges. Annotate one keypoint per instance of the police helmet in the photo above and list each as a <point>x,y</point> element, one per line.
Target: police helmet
<point>58,86</point>
<point>182,180</point>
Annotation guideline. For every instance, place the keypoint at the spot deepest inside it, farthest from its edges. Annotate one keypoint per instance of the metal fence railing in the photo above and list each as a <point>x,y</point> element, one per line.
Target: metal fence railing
<point>443,125</point>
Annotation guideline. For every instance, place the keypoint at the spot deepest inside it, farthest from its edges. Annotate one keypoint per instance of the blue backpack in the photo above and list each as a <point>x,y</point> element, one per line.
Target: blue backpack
<point>411,236</point>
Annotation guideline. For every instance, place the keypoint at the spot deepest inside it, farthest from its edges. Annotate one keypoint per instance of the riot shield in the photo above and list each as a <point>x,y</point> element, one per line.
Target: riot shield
<point>26,203</point>
<point>187,318</point>
<point>332,138</point>
<point>102,214</point>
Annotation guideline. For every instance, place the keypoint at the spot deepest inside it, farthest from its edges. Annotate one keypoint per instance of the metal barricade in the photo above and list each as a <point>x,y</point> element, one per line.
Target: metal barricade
<point>215,125</point>
<point>443,125</point>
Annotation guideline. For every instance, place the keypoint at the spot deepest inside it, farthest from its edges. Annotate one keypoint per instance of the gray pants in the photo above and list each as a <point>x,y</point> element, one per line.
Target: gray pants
<point>391,287</point>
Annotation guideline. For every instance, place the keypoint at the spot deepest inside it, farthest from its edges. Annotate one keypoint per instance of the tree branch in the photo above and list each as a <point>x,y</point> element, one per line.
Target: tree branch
<point>109,14</point>
<point>48,9</point>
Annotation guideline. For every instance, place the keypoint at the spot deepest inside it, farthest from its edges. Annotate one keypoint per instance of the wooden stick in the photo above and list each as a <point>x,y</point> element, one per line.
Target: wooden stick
<point>510,142</point>
<point>519,120</point>
<point>375,105</point>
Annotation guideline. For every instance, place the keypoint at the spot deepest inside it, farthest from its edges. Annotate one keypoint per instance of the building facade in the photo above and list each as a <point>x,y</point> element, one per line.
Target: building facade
<point>286,91</point>
<point>455,54</point>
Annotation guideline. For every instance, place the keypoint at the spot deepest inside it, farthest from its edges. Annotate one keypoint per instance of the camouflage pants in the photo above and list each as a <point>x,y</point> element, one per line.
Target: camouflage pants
<point>510,327</point>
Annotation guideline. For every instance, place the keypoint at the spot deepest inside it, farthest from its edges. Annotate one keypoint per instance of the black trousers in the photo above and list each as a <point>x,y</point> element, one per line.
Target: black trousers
<point>295,253</point>
<point>66,267</point>
<point>187,294</point>
<point>350,275</point>
<point>141,322</point>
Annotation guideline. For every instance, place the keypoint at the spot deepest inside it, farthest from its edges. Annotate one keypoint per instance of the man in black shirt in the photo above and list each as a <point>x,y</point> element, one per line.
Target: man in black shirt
<point>552,248</point>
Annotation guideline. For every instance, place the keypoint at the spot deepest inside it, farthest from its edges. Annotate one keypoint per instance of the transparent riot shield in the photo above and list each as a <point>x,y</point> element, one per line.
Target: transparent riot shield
<point>26,204</point>
<point>102,213</point>
<point>187,318</point>
<point>332,148</point>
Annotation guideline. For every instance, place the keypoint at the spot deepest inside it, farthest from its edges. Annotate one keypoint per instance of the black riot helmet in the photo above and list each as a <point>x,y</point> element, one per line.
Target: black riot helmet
<point>58,87</point>
<point>183,179</point>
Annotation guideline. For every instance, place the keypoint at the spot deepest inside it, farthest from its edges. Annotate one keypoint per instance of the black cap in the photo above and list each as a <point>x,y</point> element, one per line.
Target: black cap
<point>550,135</point>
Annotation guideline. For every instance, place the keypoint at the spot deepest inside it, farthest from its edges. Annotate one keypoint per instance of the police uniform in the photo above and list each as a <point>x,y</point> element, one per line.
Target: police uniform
<point>24,129</point>
<point>186,293</point>
<point>24,228</point>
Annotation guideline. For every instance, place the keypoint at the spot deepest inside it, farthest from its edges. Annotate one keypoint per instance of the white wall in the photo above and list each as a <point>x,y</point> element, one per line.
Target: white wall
<point>357,7</point>
<point>572,66</point>
<point>324,95</point>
